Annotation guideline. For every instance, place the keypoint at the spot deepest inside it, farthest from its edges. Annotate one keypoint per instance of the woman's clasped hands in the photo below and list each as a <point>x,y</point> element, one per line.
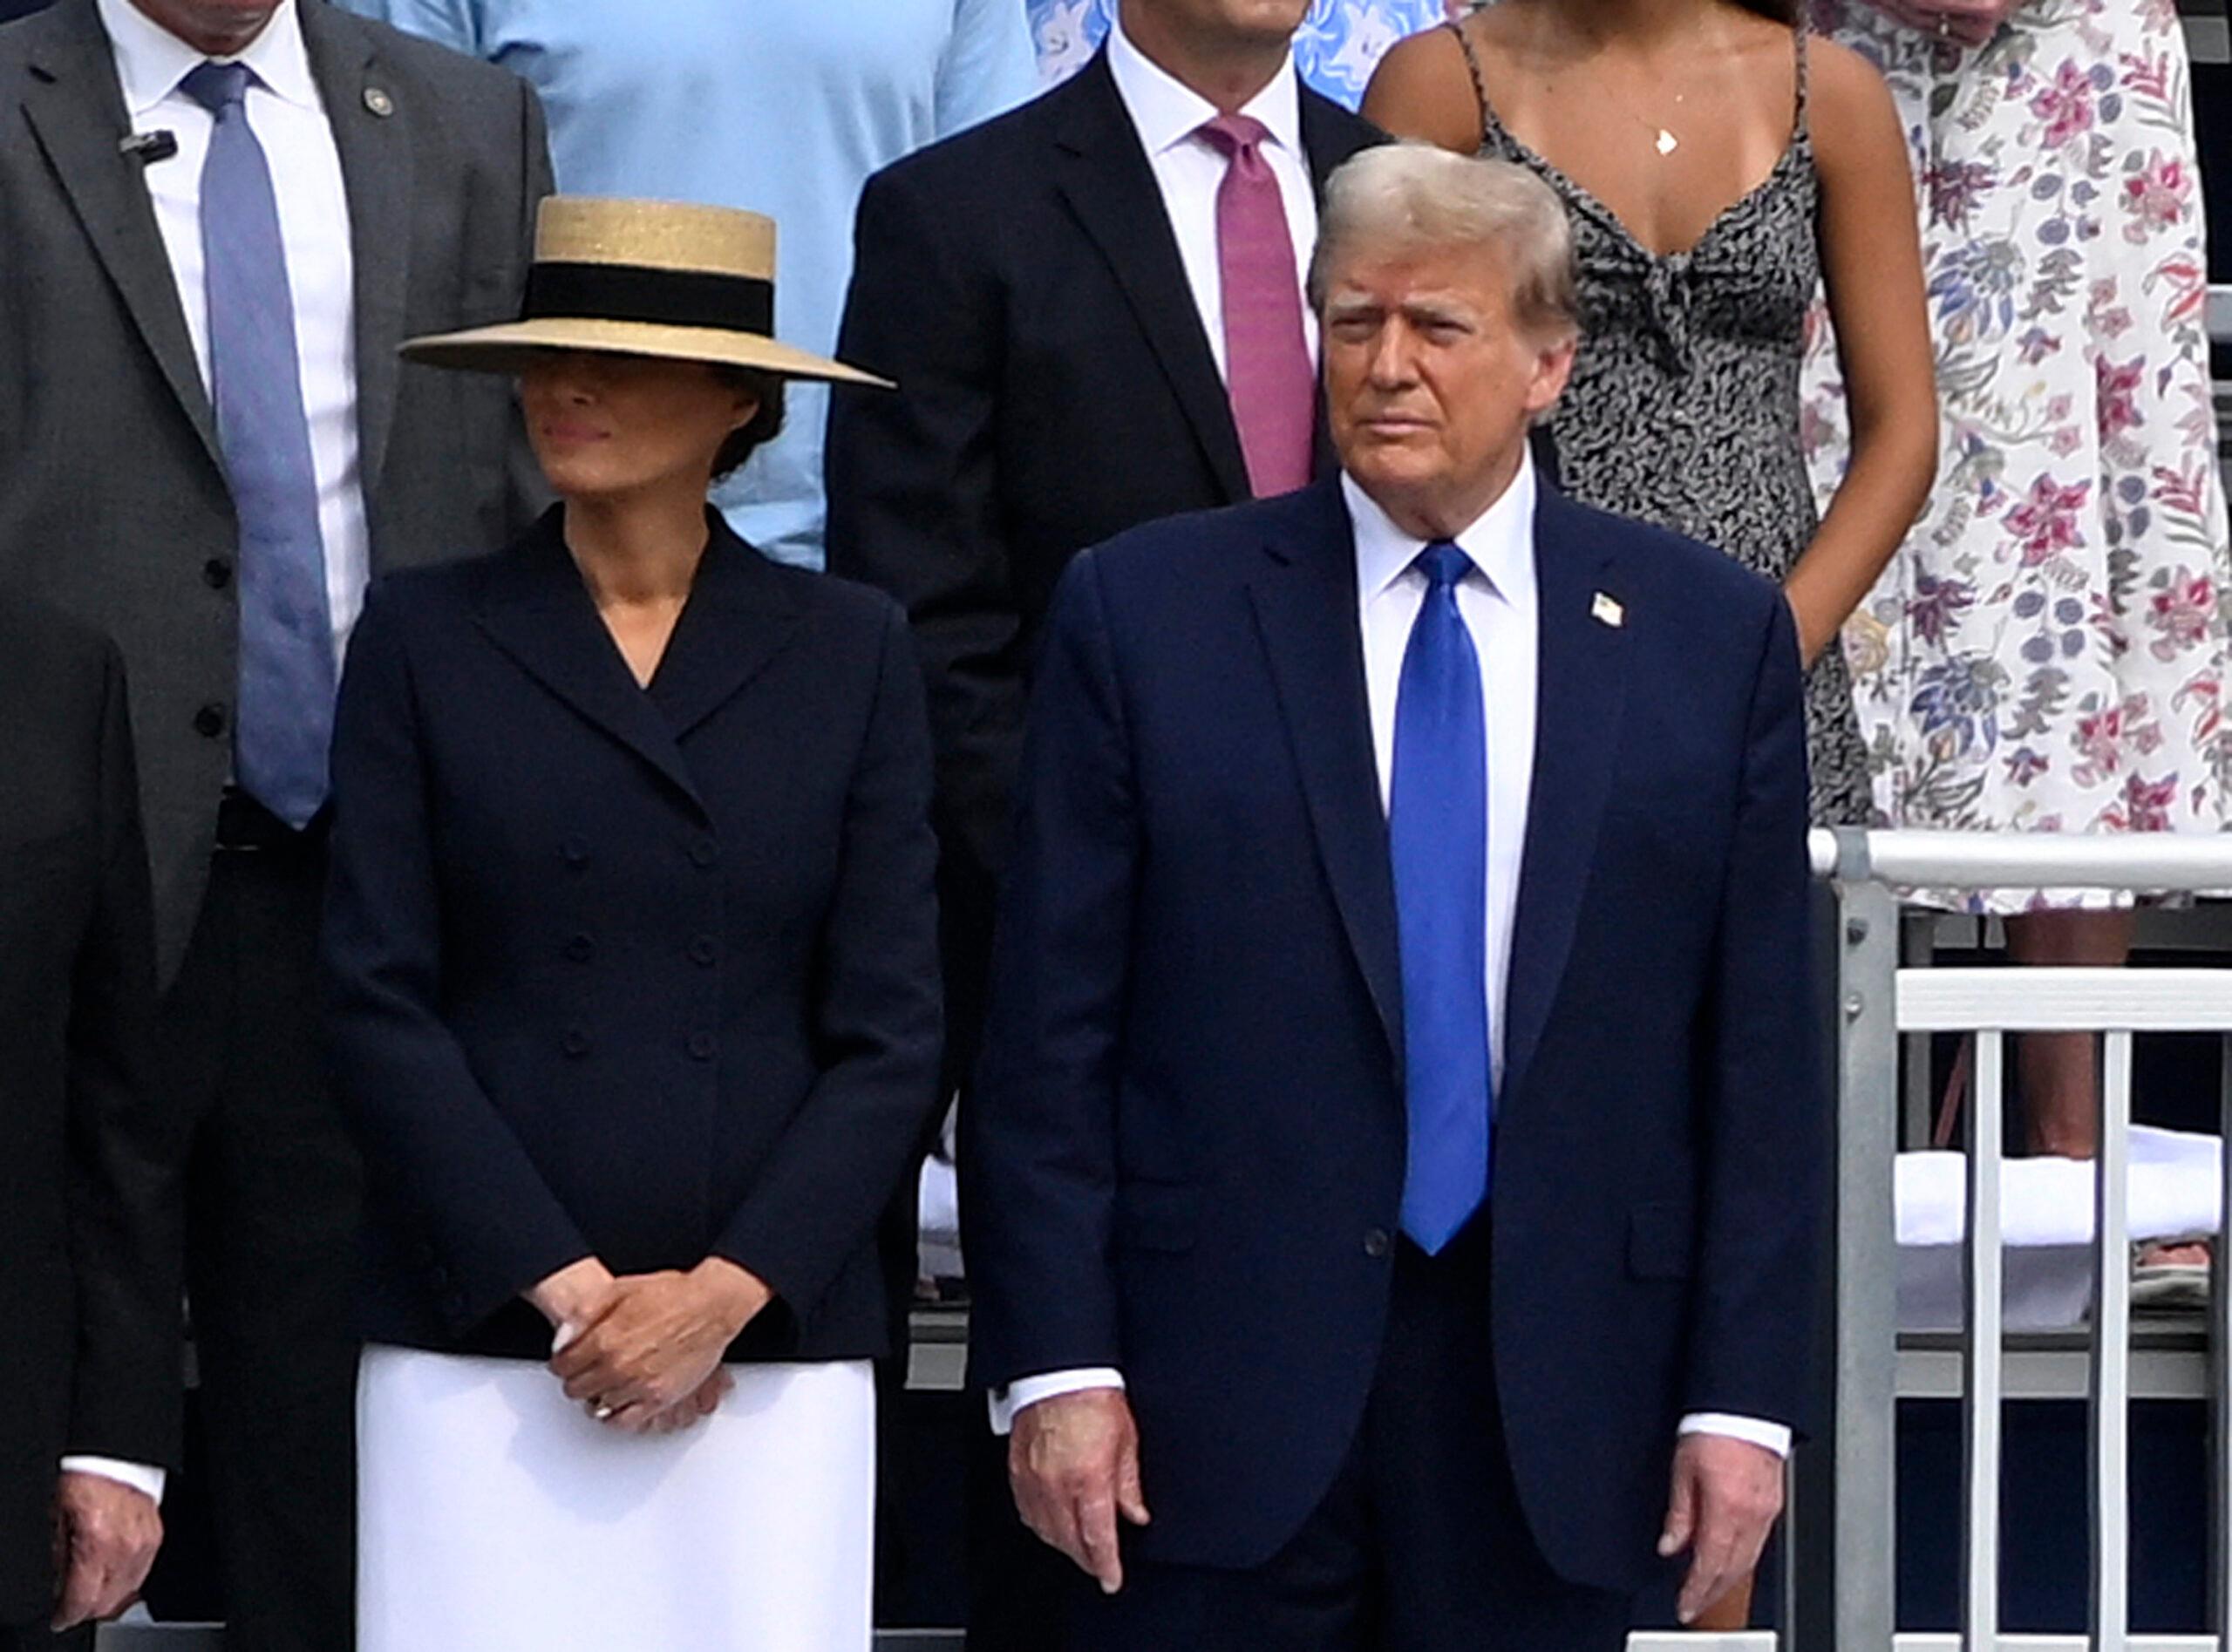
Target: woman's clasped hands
<point>641,1352</point>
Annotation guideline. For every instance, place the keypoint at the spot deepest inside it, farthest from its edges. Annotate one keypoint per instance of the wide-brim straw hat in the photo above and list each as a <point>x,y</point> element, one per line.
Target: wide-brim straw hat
<point>642,278</point>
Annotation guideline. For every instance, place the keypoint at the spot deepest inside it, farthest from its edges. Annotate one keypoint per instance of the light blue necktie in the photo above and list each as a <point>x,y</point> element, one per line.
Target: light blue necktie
<point>284,723</point>
<point>1438,832</point>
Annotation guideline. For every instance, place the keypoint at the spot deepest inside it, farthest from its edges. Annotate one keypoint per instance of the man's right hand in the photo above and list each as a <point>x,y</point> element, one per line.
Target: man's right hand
<point>1074,1463</point>
<point>105,1538</point>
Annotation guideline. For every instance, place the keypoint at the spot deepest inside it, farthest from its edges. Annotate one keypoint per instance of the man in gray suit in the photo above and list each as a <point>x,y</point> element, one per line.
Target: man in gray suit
<point>218,218</point>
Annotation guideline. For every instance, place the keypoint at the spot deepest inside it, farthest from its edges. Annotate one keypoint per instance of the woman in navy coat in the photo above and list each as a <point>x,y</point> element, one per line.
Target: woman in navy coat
<point>631,941</point>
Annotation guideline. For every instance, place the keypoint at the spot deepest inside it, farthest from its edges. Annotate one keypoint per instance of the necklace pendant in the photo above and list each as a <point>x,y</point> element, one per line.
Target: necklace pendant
<point>1667,143</point>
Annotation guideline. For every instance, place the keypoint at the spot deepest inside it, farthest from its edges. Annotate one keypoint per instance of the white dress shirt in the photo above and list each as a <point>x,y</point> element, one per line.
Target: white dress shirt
<point>288,116</point>
<point>1168,116</point>
<point>1497,601</point>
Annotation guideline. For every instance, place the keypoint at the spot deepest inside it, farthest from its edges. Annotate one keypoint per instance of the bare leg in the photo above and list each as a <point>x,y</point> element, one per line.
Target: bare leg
<point>1730,1615</point>
<point>2059,1071</point>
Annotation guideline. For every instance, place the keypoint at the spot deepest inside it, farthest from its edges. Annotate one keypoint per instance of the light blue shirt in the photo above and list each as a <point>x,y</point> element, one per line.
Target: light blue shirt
<point>782,106</point>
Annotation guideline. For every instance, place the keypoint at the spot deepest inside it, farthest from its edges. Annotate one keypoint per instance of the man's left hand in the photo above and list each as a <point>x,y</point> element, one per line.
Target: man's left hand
<point>106,1533</point>
<point>1727,1497</point>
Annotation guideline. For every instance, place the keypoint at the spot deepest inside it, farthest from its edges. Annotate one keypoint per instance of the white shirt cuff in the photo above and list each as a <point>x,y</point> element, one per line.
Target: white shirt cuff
<point>139,1476</point>
<point>1027,1391</point>
<point>1775,1436</point>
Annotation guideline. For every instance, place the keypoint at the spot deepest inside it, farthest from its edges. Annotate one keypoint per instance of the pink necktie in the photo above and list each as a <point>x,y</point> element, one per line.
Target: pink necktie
<point>1267,370</point>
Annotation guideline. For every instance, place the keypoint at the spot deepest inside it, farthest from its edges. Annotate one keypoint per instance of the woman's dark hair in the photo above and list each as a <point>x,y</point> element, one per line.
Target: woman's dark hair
<point>1782,11</point>
<point>764,425</point>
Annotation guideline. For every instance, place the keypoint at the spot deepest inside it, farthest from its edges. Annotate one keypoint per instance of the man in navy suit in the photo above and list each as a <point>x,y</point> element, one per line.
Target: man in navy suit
<point>1391,1186</point>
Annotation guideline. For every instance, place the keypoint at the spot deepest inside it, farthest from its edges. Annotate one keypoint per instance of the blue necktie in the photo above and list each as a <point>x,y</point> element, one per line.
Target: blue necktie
<point>1437,833</point>
<point>284,723</point>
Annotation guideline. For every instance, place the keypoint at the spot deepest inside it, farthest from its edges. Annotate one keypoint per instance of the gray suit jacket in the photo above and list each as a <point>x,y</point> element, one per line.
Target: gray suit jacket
<point>113,495</point>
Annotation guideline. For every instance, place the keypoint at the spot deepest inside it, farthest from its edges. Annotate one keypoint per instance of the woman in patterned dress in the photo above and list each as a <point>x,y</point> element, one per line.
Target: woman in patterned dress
<point>2048,653</point>
<point>1717,167</point>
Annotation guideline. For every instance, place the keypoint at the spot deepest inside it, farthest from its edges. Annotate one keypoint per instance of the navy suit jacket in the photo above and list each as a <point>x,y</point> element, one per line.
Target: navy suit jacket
<point>1185,1157</point>
<point>649,976</point>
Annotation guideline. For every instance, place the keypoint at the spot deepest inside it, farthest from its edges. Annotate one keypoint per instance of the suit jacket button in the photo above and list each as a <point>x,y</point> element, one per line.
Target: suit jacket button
<point>217,573</point>
<point>705,852</point>
<point>575,1043</point>
<point>580,948</point>
<point>704,950</point>
<point>209,722</point>
<point>575,851</point>
<point>703,1046</point>
<point>1376,1243</point>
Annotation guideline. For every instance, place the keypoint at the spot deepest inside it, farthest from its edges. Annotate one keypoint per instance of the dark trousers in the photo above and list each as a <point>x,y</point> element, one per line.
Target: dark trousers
<point>39,1638</point>
<point>273,1193</point>
<point>1019,1589</point>
<point>1419,1546</point>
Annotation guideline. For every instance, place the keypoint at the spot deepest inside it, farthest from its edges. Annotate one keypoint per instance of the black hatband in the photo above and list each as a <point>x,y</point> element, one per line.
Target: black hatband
<point>663,297</point>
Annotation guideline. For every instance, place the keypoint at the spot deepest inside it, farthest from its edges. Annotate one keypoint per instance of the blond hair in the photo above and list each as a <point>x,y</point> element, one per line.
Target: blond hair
<point>1413,197</point>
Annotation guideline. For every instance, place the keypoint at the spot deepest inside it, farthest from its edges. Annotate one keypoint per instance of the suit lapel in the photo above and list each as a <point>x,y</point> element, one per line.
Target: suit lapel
<point>1305,601</point>
<point>739,619</point>
<point>371,124</point>
<point>1330,136</point>
<point>535,607</point>
<point>1110,186</point>
<point>1582,677</point>
<point>76,109</point>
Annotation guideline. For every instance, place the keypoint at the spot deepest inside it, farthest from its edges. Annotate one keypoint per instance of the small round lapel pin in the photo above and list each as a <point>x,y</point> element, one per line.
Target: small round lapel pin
<point>378,102</point>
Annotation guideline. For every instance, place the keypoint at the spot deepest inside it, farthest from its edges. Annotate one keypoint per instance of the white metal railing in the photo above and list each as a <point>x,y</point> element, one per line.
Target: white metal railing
<point>1880,1002</point>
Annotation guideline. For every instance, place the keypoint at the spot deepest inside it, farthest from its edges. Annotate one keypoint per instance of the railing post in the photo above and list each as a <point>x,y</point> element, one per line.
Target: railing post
<point>1982,1350</point>
<point>1862,1512</point>
<point>2220,1370</point>
<point>2111,1457</point>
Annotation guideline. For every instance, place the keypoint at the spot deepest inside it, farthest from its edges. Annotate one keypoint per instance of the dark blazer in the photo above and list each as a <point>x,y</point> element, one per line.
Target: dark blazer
<point>1021,283</point>
<point>88,1206</point>
<point>112,498</point>
<point>647,975</point>
<point>1185,1154</point>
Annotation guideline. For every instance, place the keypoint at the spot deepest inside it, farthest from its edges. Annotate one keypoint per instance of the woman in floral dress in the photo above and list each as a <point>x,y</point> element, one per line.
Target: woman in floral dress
<point>2048,652</point>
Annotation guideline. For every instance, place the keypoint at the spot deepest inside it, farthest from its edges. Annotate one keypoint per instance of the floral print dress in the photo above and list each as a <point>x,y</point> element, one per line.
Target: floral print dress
<point>2047,653</point>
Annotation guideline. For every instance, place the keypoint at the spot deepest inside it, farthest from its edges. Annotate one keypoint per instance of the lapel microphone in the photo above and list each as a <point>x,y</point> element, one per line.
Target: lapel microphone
<point>148,147</point>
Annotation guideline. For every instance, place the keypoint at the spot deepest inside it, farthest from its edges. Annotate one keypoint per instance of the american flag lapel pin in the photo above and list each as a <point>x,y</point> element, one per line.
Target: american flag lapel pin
<point>1605,611</point>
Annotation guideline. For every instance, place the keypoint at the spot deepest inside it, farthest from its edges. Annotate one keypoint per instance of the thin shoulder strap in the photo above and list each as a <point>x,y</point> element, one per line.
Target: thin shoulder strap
<point>1801,28</point>
<point>1456,26</point>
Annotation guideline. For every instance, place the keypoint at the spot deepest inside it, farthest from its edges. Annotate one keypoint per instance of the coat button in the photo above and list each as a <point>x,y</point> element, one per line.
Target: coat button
<point>575,851</point>
<point>705,852</point>
<point>580,948</point>
<point>575,1043</point>
<point>703,1046</point>
<point>217,573</point>
<point>209,722</point>
<point>705,951</point>
<point>1376,1243</point>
